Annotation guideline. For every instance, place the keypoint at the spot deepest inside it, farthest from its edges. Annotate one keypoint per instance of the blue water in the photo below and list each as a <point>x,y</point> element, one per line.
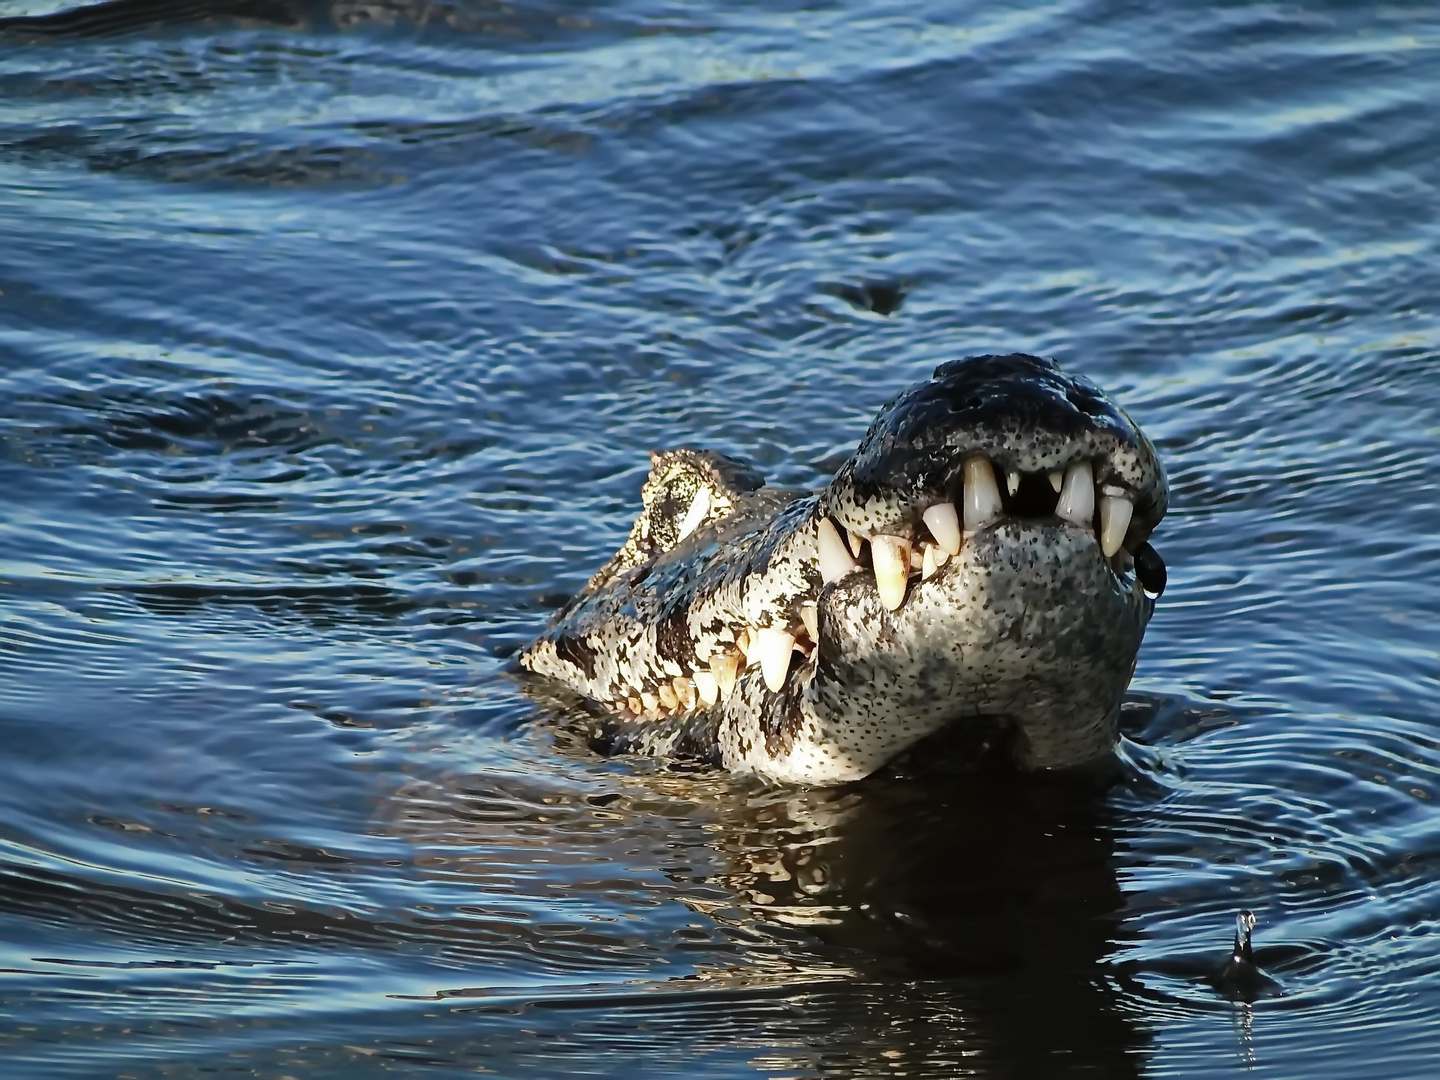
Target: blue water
<point>333,340</point>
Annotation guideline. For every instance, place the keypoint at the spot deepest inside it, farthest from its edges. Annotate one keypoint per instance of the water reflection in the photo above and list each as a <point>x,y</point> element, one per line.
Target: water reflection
<point>333,336</point>
<point>911,925</point>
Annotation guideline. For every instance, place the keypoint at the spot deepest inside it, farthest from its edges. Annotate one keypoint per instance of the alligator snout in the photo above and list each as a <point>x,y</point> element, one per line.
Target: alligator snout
<point>983,554</point>
<point>986,440</point>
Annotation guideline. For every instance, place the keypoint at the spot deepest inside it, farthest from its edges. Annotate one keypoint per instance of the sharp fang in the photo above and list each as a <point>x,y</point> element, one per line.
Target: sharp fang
<point>723,666</point>
<point>742,642</point>
<point>944,525</point>
<point>941,557</point>
<point>666,694</point>
<point>1077,495</point>
<point>891,556</point>
<point>927,562</point>
<point>707,687</point>
<point>1012,481</point>
<point>1056,479</point>
<point>810,616</point>
<point>699,510</point>
<point>982,496</point>
<point>774,648</point>
<point>835,561</point>
<point>1115,511</point>
<point>684,690</point>
<point>857,542</point>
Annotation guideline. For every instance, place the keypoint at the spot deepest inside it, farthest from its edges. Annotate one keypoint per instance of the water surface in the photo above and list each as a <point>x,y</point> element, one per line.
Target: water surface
<point>333,340</point>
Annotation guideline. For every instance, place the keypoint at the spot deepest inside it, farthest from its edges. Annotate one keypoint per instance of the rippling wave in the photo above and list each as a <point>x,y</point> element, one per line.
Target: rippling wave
<point>333,341</point>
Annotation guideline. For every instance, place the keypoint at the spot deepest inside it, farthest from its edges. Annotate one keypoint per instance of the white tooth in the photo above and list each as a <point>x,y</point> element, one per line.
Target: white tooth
<point>891,556</point>
<point>927,562</point>
<point>707,687</point>
<point>941,557</point>
<point>650,701</point>
<point>1077,496</point>
<point>684,690</point>
<point>835,561</point>
<point>666,693</point>
<point>724,666</point>
<point>742,642</point>
<point>857,542</point>
<point>811,618</point>
<point>944,525</point>
<point>982,496</point>
<point>774,648</point>
<point>1056,479</point>
<point>1012,481</point>
<point>699,509</point>
<point>636,705</point>
<point>1115,511</point>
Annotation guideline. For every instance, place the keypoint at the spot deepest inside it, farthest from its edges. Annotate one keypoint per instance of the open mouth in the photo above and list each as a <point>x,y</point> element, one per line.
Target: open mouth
<point>979,499</point>
<point>983,552</point>
<point>913,551</point>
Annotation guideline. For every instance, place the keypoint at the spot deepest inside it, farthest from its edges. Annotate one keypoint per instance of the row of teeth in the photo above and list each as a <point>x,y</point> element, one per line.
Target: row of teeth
<point>769,648</point>
<point>895,557</point>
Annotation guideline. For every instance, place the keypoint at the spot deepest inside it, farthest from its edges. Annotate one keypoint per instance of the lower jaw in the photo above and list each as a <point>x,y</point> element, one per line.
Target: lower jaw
<point>1026,724</point>
<point>997,745</point>
<point>1036,639</point>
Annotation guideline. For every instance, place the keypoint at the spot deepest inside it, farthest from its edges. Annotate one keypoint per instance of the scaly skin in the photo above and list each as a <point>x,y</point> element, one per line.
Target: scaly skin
<point>1028,626</point>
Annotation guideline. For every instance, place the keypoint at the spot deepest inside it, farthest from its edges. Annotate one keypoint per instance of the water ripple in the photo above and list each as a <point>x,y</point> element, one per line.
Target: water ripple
<point>333,341</point>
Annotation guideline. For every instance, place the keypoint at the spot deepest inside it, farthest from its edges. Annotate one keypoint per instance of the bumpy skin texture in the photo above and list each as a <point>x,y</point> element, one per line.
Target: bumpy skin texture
<point>1030,626</point>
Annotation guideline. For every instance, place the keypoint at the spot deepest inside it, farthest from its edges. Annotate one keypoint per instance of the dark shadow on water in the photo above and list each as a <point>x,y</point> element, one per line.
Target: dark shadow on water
<point>516,24</point>
<point>118,17</point>
<point>933,924</point>
<point>986,904</point>
<point>319,605</point>
<point>881,297</point>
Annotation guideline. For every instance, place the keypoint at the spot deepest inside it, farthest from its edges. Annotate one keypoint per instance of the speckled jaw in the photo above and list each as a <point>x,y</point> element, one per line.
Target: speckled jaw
<point>983,555</point>
<point>1029,625</point>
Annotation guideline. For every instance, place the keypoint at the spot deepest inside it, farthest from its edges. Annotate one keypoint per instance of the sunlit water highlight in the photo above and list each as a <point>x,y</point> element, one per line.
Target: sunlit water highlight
<point>333,340</point>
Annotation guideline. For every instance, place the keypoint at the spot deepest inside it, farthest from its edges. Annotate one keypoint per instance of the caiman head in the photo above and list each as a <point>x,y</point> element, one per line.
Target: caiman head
<point>982,559</point>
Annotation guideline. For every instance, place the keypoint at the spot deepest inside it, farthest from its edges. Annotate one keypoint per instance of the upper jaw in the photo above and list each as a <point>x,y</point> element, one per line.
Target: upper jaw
<point>991,439</point>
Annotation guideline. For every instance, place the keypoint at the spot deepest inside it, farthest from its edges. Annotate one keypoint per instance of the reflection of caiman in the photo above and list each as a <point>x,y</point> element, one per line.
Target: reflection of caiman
<point>980,563</point>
